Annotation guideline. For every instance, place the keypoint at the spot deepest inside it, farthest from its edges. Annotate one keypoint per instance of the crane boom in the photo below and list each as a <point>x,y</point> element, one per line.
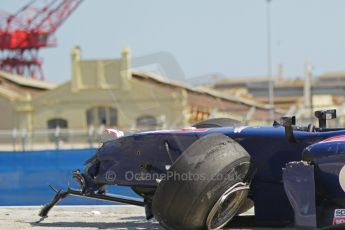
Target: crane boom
<point>31,28</point>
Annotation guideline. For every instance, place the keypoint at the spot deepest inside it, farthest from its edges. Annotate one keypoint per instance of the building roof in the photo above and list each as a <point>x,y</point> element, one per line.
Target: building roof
<point>333,74</point>
<point>201,90</point>
<point>244,82</point>
<point>27,82</point>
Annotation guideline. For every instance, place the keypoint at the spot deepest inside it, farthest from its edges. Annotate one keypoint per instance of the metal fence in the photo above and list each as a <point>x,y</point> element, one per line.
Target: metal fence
<point>23,140</point>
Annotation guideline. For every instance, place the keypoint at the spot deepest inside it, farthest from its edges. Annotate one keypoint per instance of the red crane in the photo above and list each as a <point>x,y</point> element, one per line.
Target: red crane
<point>24,33</point>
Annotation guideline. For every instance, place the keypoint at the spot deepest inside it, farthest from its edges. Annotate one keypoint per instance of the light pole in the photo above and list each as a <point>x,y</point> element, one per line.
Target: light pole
<point>269,64</point>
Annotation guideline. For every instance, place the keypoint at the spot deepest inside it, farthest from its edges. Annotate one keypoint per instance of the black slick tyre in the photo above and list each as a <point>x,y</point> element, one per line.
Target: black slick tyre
<point>191,196</point>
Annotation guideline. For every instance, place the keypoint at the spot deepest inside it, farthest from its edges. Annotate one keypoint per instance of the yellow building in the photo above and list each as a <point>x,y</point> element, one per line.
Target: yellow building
<point>108,93</point>
<point>15,99</point>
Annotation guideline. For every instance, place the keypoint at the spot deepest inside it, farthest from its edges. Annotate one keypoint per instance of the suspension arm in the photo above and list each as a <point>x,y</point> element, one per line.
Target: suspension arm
<point>108,197</point>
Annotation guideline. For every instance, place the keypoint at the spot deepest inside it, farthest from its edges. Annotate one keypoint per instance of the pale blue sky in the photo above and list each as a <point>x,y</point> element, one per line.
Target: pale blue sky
<point>225,36</point>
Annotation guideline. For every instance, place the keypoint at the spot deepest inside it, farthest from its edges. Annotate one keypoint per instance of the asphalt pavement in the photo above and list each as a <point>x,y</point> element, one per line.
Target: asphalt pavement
<point>79,217</point>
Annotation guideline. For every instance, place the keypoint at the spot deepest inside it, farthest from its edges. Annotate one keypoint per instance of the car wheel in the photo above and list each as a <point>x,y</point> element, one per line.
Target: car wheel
<point>225,122</point>
<point>205,187</point>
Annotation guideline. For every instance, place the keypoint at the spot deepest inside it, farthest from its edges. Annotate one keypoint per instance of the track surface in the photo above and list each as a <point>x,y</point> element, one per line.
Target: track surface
<point>78,217</point>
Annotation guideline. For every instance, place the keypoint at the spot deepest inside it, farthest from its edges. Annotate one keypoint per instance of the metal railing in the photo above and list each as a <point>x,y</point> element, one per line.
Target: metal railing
<point>58,138</point>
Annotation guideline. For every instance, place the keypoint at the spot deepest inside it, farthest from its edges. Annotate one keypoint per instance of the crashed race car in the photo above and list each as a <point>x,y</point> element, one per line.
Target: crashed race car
<point>205,176</point>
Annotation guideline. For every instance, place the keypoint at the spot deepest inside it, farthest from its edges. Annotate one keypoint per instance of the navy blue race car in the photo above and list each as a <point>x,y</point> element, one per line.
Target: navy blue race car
<point>205,176</point>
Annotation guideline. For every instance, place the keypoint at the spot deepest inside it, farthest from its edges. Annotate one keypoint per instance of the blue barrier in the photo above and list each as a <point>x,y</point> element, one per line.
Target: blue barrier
<point>25,176</point>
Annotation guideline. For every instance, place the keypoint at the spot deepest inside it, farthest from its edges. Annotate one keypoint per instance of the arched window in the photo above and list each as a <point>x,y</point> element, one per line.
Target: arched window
<point>57,122</point>
<point>98,116</point>
<point>146,123</point>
